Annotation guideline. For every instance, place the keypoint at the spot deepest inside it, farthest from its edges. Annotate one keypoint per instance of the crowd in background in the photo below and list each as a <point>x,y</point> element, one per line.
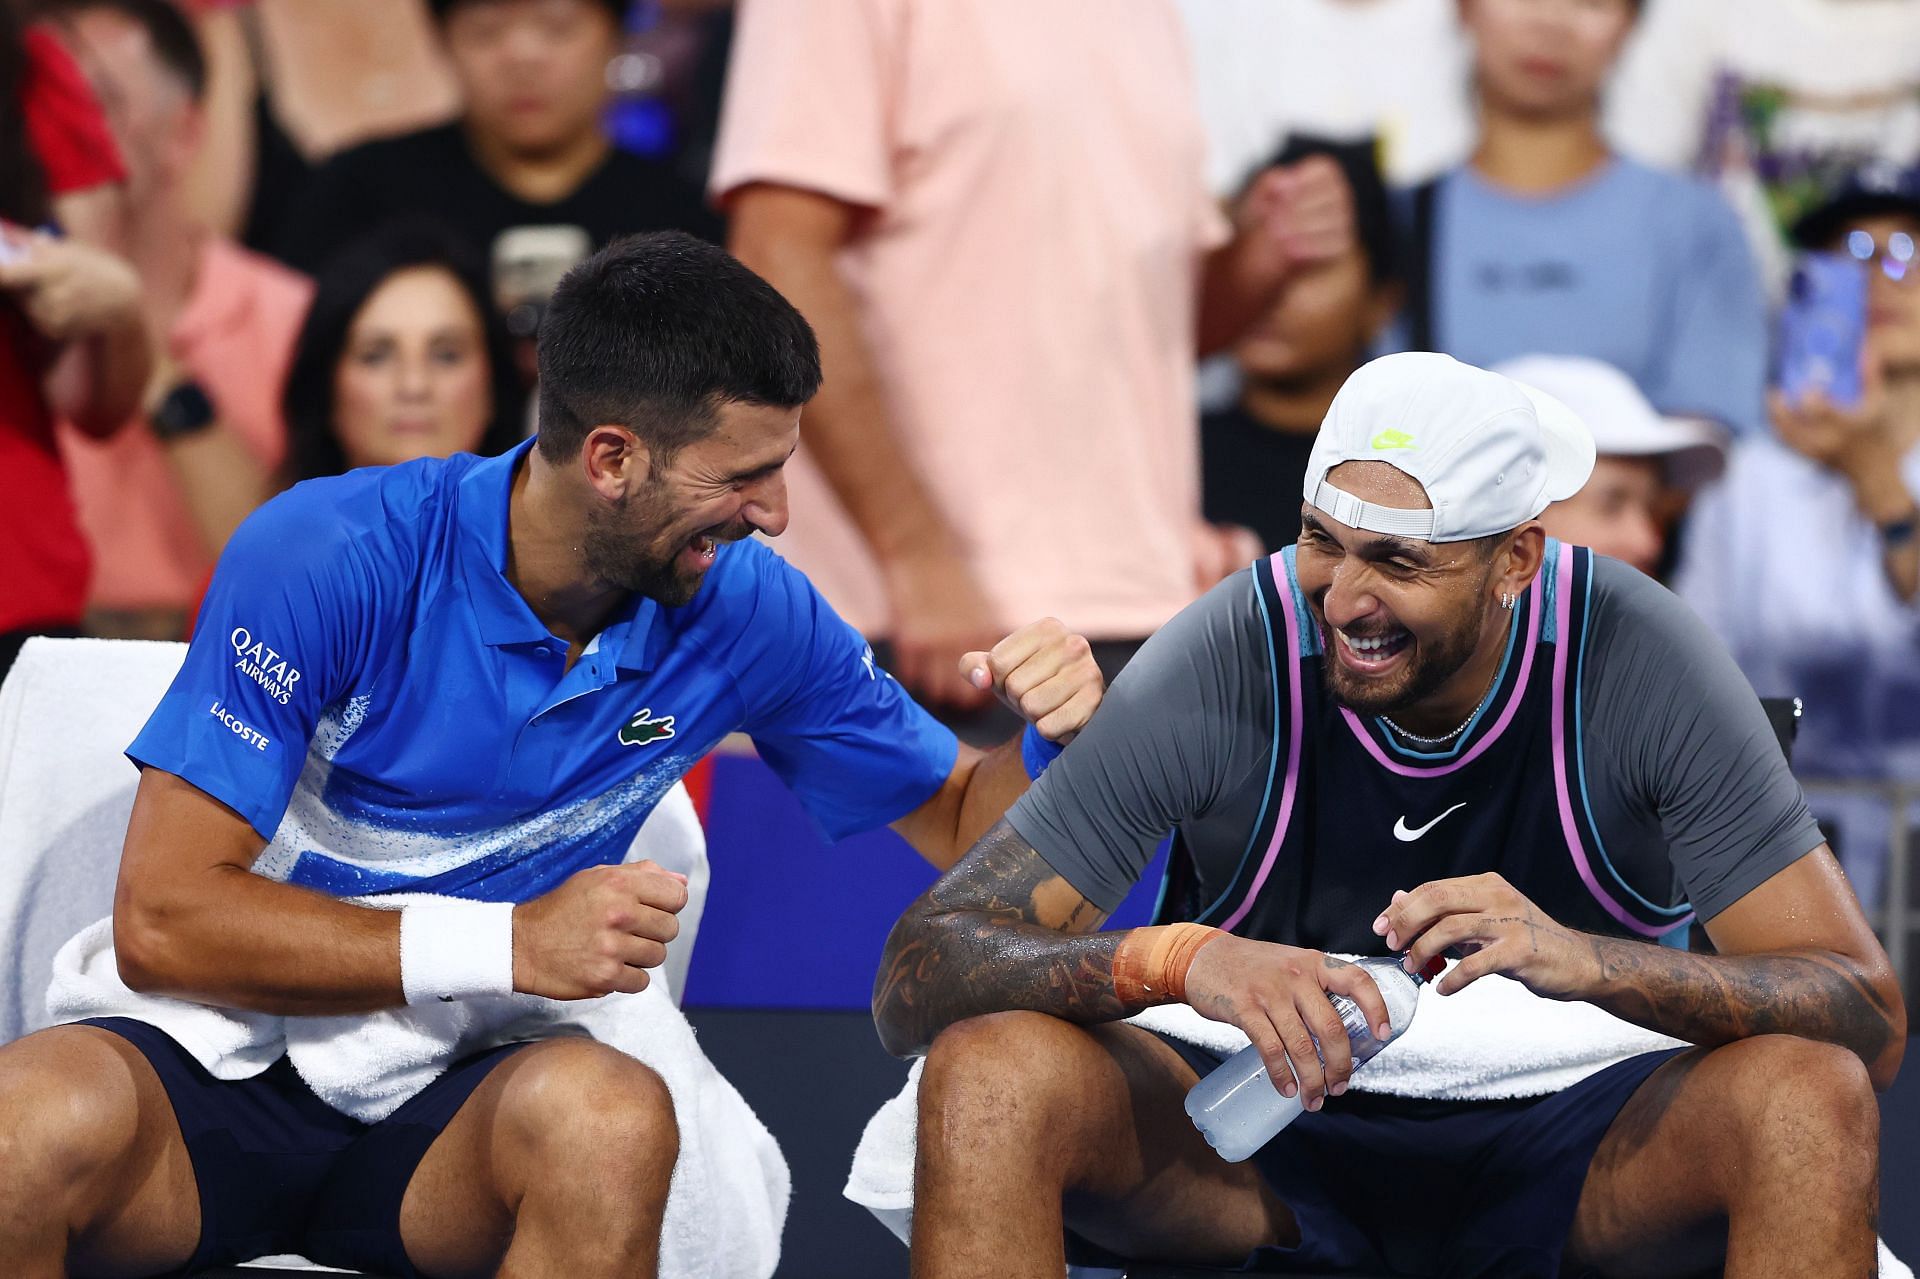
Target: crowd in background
<point>1086,275</point>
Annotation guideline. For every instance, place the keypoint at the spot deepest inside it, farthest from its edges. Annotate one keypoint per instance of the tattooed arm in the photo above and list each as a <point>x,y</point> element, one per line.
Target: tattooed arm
<point>1001,930</point>
<point>1796,957</point>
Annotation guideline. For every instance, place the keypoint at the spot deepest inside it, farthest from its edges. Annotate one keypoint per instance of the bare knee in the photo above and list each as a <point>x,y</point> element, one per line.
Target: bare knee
<point>1001,1060</point>
<point>592,1120</point>
<point>69,1109</point>
<point>1800,1106</point>
<point>1012,1084</point>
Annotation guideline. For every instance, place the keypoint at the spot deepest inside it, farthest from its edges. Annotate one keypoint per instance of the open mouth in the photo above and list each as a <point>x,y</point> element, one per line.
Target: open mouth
<point>1371,654</point>
<point>700,551</point>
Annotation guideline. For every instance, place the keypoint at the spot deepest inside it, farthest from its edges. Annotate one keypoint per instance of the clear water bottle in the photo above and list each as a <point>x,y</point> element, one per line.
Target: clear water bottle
<point>1237,1108</point>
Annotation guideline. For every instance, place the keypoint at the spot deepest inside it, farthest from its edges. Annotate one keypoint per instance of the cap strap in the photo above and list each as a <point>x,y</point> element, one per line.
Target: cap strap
<point>1349,510</point>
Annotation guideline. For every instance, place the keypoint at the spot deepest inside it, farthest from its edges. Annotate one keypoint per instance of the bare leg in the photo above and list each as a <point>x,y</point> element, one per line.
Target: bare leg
<point>558,1164</point>
<point>1029,1124</point>
<point>98,1182</point>
<point>1765,1151</point>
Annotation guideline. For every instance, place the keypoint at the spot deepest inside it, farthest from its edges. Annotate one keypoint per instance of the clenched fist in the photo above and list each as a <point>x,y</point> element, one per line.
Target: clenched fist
<point>597,933</point>
<point>1045,674</point>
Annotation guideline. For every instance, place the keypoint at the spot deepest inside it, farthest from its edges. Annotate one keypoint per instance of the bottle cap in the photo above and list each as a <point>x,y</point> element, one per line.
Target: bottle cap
<point>1434,968</point>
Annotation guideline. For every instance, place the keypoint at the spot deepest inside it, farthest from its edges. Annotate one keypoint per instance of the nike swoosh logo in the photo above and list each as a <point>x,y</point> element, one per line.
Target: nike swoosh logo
<point>1406,836</point>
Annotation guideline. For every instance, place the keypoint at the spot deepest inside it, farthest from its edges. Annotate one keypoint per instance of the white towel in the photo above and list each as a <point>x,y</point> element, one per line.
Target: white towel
<point>1494,1040</point>
<point>728,1200</point>
<point>67,711</point>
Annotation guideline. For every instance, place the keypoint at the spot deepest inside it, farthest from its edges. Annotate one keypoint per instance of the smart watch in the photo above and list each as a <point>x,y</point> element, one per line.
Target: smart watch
<point>183,411</point>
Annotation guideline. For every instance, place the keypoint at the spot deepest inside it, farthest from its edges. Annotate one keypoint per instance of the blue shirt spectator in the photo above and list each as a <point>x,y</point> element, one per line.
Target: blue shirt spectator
<point>1642,269</point>
<point>1547,243</point>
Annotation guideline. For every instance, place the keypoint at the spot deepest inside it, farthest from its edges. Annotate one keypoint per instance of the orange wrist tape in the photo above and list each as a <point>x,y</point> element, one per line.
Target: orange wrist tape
<point>1151,965</point>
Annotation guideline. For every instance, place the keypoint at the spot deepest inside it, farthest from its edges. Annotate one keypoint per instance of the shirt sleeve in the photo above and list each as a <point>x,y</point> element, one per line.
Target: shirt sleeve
<point>274,645</point>
<point>1176,733</point>
<point>1687,734</point>
<point>807,100</point>
<point>841,733</point>
<point>65,126</point>
<point>1716,353</point>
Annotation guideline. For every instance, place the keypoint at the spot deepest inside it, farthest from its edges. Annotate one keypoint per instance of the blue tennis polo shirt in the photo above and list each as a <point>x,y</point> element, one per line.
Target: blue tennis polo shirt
<point>369,691</point>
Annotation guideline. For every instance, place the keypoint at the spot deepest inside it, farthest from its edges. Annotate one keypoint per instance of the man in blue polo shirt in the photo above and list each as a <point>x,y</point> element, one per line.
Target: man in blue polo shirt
<point>474,679</point>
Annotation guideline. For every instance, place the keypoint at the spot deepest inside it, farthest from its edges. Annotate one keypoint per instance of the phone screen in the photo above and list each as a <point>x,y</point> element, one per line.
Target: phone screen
<point>1822,327</point>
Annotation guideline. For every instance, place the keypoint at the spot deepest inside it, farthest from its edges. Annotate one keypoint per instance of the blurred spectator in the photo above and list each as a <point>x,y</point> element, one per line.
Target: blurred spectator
<point>1326,317</point>
<point>1647,466</point>
<point>1547,241</point>
<point>223,319</point>
<point>1391,69</point>
<point>527,171</point>
<point>72,341</point>
<point>1806,558</point>
<point>1778,100</point>
<point>400,358</point>
<point>290,83</point>
<point>995,220</point>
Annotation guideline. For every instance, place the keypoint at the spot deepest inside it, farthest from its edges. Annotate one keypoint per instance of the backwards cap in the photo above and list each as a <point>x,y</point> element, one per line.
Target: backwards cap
<point>1490,452</point>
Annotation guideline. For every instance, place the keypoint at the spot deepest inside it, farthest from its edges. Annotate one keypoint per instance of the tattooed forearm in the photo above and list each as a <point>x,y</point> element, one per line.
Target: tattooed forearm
<point>1715,999</point>
<point>1001,930</point>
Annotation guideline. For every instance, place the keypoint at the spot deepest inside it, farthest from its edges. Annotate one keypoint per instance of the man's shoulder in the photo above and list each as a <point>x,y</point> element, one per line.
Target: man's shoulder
<point>1624,596</point>
<point>1687,203</point>
<point>377,520</point>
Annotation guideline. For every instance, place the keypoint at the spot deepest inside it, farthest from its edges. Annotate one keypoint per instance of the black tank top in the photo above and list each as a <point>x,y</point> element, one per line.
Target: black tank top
<point>1350,814</point>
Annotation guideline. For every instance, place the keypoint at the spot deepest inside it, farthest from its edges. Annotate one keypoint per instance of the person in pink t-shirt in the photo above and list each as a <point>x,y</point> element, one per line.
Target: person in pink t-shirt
<point>998,223</point>
<point>158,500</point>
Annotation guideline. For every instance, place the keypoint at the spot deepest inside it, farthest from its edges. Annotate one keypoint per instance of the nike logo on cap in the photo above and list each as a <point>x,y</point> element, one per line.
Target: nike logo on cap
<point>1407,836</point>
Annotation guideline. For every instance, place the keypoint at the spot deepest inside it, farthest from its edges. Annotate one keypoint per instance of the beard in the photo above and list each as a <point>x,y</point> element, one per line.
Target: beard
<point>635,547</point>
<point>1431,662</point>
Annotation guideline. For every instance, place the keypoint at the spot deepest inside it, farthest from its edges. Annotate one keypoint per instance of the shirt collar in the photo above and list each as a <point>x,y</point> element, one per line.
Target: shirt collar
<point>500,611</point>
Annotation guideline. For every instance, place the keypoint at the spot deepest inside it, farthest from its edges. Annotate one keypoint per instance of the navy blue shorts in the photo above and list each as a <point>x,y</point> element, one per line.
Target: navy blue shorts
<point>279,1170</point>
<point>1392,1185</point>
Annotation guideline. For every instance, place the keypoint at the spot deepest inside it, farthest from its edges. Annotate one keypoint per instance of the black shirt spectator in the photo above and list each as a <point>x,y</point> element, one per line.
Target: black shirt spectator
<point>434,171</point>
<point>527,175</point>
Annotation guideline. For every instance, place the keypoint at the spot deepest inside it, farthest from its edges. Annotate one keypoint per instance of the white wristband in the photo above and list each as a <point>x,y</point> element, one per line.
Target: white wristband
<point>452,949</point>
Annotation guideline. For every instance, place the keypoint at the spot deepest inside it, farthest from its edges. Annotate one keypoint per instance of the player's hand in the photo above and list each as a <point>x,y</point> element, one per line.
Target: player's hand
<point>1221,550</point>
<point>70,290</point>
<point>1496,929</point>
<point>1292,216</point>
<point>938,613</point>
<point>1278,995</point>
<point>598,932</point>
<point>1044,673</point>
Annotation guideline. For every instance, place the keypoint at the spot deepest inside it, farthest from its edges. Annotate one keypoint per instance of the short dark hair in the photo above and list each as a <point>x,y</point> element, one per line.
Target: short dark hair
<point>168,31</point>
<point>441,8</point>
<point>655,332</point>
<point>1372,209</point>
<point>343,286</point>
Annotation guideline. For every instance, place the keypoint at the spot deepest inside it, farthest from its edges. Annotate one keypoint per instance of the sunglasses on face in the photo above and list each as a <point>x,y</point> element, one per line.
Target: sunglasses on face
<point>1895,255</point>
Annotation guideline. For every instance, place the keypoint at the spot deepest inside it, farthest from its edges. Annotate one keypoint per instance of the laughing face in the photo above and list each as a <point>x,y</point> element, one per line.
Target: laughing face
<point>1409,627</point>
<point>661,540</point>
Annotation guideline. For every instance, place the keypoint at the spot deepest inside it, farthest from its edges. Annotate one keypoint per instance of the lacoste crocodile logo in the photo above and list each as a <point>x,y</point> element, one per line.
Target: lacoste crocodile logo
<point>644,730</point>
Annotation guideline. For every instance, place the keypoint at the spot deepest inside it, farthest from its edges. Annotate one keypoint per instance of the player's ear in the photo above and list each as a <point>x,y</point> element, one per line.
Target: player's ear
<point>617,462</point>
<point>1517,562</point>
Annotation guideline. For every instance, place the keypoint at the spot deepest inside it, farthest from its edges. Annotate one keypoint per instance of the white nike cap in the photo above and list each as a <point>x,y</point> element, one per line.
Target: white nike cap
<point>1690,450</point>
<point>1490,452</point>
